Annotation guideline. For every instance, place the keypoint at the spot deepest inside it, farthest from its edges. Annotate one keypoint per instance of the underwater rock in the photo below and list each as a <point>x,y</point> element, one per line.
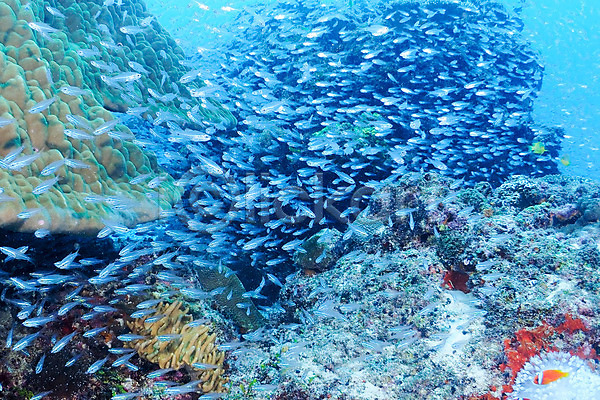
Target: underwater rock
<point>317,252</point>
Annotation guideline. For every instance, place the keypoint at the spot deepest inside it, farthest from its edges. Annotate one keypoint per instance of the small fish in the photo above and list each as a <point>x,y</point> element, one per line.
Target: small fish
<point>73,359</point>
<point>123,359</point>
<point>548,376</point>
<point>79,122</point>
<point>42,105</point>
<point>210,166</point>
<point>37,322</point>
<point>142,313</point>
<point>158,373</point>
<point>63,342</point>
<point>66,262</point>
<point>78,134</point>
<point>41,233</point>
<point>138,67</point>
<point>148,303</point>
<point>274,279</point>
<point>45,186</point>
<point>23,161</point>
<point>96,366</point>
<point>28,213</point>
<point>199,365</point>
<point>131,29</point>
<point>126,396</point>
<point>94,332</point>
<point>55,12</point>
<point>154,319</point>
<point>120,350</point>
<point>130,337</point>
<point>9,337</point>
<point>538,148</point>
<point>6,121</point>
<point>41,27</point>
<point>126,77</point>
<point>74,91</point>
<point>40,364</point>
<point>167,337</point>
<point>67,307</point>
<point>105,127</point>
<point>16,254</point>
<point>53,279</point>
<point>26,341</point>
<point>41,395</point>
<point>104,309</point>
<point>52,167</point>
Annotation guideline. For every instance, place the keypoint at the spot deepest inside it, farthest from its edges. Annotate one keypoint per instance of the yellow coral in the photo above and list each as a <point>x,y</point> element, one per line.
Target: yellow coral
<point>190,344</point>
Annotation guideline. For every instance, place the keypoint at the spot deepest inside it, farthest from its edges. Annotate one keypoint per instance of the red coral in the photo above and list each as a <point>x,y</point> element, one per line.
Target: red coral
<point>530,342</point>
<point>455,280</point>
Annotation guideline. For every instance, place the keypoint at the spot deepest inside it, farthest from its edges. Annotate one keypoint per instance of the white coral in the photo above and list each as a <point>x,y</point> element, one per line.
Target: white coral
<point>582,383</point>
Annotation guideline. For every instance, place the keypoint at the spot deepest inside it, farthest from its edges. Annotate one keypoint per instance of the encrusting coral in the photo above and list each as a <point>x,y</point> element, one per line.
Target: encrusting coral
<point>188,344</point>
<point>110,40</point>
<point>66,165</point>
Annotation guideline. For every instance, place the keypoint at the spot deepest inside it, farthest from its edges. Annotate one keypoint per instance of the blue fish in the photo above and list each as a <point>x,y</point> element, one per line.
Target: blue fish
<point>40,364</point>
<point>40,395</point>
<point>26,341</point>
<point>94,332</point>
<point>159,372</point>
<point>37,322</point>
<point>63,342</point>
<point>130,337</point>
<point>96,366</point>
<point>67,307</point>
<point>126,396</point>
<point>73,360</point>
<point>122,360</point>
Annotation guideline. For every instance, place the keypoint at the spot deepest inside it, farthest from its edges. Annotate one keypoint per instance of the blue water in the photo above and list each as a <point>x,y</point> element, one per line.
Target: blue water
<point>565,33</point>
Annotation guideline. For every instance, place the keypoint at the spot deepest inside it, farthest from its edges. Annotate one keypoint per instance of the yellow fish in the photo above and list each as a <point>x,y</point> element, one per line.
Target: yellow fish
<point>538,148</point>
<point>565,160</point>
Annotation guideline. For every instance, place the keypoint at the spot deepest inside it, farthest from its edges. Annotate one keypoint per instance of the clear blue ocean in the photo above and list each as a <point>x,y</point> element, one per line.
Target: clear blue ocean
<point>299,200</point>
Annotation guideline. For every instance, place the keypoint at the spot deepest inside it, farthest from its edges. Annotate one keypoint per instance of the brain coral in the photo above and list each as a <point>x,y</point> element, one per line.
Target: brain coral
<point>65,163</point>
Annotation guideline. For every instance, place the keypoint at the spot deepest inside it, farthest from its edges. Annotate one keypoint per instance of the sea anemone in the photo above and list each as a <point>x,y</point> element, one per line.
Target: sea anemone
<point>579,380</point>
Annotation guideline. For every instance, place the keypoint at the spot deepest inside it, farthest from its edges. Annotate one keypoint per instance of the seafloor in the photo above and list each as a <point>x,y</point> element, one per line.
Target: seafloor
<point>407,314</point>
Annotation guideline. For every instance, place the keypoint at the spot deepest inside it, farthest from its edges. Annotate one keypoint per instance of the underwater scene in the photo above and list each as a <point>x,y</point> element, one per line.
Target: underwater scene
<point>299,199</point>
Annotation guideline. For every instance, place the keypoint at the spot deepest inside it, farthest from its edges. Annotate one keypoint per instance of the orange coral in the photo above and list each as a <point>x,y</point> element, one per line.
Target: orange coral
<point>528,343</point>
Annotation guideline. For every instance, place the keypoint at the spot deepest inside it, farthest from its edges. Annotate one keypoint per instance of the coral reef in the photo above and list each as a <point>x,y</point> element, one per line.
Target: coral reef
<point>452,305</point>
<point>171,342</point>
<point>128,60</point>
<point>66,165</point>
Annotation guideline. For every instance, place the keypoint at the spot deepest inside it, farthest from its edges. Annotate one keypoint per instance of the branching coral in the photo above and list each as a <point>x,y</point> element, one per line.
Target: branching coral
<point>174,343</point>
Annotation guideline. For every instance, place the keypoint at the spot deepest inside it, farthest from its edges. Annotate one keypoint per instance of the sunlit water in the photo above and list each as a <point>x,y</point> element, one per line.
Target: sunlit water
<point>565,33</point>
